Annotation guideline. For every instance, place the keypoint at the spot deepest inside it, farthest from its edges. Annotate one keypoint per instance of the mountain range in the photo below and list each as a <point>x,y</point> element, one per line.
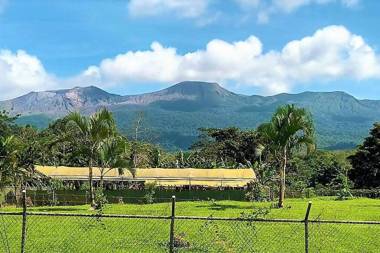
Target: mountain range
<point>171,117</point>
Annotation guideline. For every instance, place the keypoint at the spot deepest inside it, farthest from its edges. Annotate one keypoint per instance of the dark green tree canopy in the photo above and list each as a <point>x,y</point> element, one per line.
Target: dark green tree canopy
<point>7,124</point>
<point>366,161</point>
<point>231,144</point>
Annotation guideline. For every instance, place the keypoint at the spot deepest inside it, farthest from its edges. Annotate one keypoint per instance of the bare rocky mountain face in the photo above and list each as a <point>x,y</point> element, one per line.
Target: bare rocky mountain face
<point>59,102</point>
<point>173,115</point>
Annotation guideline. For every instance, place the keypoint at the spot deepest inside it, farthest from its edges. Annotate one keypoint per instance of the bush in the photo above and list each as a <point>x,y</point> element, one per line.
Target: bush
<point>56,184</point>
<point>100,199</point>
<point>150,191</point>
<point>256,192</point>
<point>368,193</point>
<point>344,193</point>
<point>309,192</point>
<point>85,186</point>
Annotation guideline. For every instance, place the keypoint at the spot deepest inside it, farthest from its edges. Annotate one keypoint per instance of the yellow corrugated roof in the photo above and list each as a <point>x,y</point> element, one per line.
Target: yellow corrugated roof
<point>150,172</point>
<point>209,177</point>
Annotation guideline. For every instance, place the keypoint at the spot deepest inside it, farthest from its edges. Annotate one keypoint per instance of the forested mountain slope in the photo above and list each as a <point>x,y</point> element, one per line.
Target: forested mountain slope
<point>172,116</point>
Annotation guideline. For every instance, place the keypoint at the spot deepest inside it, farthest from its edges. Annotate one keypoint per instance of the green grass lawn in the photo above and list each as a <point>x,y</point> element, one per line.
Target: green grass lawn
<point>88,234</point>
<point>361,209</point>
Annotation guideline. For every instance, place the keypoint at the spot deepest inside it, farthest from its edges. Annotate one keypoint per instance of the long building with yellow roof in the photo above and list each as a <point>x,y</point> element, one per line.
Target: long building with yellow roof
<point>162,176</point>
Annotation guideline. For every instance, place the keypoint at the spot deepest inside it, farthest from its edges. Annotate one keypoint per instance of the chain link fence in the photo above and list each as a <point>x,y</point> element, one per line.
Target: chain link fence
<point>58,232</point>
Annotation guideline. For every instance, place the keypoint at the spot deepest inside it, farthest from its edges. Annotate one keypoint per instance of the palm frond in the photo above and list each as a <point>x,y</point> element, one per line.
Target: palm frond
<point>76,119</point>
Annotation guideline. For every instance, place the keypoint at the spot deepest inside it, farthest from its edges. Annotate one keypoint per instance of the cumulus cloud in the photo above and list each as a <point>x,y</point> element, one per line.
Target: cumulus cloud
<point>181,8</point>
<point>266,8</point>
<point>21,73</point>
<point>330,53</point>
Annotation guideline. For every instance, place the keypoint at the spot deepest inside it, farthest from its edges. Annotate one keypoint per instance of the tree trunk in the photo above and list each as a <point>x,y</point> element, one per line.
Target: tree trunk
<point>17,197</point>
<point>101,179</point>
<point>281,196</point>
<point>18,186</point>
<point>92,195</point>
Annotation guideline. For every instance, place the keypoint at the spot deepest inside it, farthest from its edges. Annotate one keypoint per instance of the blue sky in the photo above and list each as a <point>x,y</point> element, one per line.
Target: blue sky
<point>249,46</point>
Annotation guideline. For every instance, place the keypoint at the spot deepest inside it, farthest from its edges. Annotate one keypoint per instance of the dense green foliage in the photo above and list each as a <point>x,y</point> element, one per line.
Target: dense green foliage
<point>366,161</point>
<point>320,169</point>
<point>77,140</point>
<point>172,119</point>
<point>18,154</point>
<point>228,147</point>
<point>290,129</point>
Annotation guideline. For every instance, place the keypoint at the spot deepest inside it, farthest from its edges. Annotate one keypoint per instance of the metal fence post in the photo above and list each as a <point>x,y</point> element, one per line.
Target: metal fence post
<point>23,232</point>
<point>307,227</point>
<point>171,243</point>
<point>53,204</point>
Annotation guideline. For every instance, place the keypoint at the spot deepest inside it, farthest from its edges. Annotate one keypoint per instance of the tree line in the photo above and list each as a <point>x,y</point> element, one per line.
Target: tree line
<point>282,152</point>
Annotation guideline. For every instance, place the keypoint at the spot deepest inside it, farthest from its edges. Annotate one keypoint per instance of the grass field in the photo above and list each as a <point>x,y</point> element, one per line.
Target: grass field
<point>88,234</point>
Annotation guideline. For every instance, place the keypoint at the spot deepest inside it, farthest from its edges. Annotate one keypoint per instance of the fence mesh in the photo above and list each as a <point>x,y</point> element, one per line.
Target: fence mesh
<point>114,233</point>
<point>214,235</point>
<point>344,237</point>
<point>10,233</point>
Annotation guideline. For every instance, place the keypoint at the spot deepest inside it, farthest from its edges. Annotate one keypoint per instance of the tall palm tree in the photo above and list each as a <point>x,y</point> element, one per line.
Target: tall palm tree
<point>113,154</point>
<point>290,128</point>
<point>94,130</point>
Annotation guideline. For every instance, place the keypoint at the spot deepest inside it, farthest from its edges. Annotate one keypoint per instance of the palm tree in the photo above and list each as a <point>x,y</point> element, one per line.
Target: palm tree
<point>16,163</point>
<point>290,128</point>
<point>94,130</point>
<point>113,154</point>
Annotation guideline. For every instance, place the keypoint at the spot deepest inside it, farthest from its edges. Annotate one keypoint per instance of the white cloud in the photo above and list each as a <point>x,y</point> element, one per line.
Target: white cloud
<point>330,53</point>
<point>21,73</point>
<point>181,8</point>
<point>266,8</point>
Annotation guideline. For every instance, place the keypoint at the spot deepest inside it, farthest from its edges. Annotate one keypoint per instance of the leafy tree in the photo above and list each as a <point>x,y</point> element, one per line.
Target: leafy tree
<point>7,125</point>
<point>16,162</point>
<point>289,129</point>
<point>18,152</point>
<point>366,161</point>
<point>228,146</point>
<point>94,130</point>
<point>61,144</point>
<point>319,169</point>
<point>8,159</point>
<point>113,154</point>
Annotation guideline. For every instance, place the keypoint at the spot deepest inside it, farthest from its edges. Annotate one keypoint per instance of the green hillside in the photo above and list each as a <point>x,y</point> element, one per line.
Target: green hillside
<point>172,116</point>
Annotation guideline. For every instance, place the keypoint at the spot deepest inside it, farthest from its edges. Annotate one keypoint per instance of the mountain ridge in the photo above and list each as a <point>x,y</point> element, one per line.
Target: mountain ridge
<point>174,114</point>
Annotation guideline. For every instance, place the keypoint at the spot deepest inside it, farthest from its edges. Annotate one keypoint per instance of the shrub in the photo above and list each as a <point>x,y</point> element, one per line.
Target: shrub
<point>256,192</point>
<point>150,191</point>
<point>85,186</point>
<point>100,200</point>
<point>344,193</point>
<point>309,192</point>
